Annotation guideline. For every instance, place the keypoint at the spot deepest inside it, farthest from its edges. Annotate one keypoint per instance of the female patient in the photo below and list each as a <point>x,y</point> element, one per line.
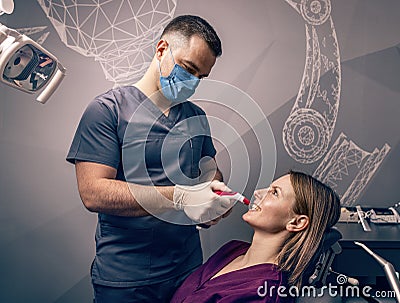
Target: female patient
<point>289,219</point>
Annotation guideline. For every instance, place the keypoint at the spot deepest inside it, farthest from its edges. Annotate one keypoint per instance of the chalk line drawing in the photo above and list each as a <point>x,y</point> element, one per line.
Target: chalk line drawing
<point>308,130</point>
<point>33,31</point>
<point>120,34</point>
<point>346,161</point>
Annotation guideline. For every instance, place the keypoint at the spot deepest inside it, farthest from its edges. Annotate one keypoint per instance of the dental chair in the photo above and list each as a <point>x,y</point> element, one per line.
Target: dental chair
<point>317,272</point>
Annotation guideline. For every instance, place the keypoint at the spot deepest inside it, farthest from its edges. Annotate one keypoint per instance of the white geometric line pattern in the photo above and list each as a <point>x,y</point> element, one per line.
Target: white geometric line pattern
<point>346,160</point>
<point>120,34</point>
<point>308,130</point>
<point>32,31</point>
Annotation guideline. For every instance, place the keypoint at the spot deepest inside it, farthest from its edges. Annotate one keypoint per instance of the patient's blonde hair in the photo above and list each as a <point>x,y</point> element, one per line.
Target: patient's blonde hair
<point>322,205</point>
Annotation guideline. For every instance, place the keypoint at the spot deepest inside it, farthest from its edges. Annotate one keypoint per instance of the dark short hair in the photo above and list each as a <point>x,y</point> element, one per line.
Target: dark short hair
<point>188,26</point>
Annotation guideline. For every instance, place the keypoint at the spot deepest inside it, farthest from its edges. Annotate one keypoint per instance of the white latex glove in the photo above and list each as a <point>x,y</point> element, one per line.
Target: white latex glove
<point>200,203</point>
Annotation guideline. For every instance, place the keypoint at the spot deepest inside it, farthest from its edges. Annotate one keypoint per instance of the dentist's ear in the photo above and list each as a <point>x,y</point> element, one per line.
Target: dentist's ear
<point>161,48</point>
<point>298,223</point>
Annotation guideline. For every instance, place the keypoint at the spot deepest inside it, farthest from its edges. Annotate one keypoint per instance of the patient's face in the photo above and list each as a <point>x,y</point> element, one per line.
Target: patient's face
<point>276,204</point>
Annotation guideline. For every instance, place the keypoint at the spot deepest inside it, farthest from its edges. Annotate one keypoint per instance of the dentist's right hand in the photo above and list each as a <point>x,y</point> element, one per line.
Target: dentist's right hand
<point>200,203</point>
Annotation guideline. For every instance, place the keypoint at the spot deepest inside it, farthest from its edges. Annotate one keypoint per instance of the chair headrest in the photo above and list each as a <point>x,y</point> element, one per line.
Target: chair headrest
<point>329,240</point>
<point>331,236</point>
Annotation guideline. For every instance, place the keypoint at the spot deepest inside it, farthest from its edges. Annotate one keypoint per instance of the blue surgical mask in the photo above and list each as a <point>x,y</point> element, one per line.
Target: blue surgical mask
<point>179,85</point>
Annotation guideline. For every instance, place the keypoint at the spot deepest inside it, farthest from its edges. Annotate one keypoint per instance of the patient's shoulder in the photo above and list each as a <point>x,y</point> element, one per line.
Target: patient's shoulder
<point>233,249</point>
<point>235,244</point>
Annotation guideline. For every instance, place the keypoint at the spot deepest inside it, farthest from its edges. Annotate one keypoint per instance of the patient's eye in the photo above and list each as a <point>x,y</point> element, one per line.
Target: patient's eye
<point>273,191</point>
<point>260,194</point>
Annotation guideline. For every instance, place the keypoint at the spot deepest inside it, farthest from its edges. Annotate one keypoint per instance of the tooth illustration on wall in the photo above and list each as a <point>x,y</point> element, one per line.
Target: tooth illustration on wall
<point>308,130</point>
<point>347,168</point>
<point>34,31</point>
<point>120,34</point>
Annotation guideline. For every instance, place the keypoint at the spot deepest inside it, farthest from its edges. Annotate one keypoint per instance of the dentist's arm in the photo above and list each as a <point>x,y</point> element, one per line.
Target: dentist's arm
<point>100,192</point>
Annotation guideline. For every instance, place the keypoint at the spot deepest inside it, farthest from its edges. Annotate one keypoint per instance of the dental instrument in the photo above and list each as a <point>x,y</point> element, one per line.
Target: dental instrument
<point>233,195</point>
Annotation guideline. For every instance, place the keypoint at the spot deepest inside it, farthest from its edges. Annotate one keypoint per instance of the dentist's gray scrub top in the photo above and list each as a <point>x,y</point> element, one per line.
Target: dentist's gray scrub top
<point>135,251</point>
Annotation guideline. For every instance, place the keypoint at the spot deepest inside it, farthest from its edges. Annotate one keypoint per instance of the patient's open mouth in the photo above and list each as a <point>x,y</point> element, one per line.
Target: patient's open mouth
<point>254,207</point>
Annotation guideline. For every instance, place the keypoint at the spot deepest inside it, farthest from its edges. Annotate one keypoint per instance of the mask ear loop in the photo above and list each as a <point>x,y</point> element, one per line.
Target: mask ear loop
<point>170,51</point>
<point>173,60</point>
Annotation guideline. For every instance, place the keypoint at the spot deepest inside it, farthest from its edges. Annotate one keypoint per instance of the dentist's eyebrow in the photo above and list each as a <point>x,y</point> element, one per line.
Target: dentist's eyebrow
<point>195,67</point>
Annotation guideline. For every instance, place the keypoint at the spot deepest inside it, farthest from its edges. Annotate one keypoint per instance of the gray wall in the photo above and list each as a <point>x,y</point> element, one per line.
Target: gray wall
<point>47,235</point>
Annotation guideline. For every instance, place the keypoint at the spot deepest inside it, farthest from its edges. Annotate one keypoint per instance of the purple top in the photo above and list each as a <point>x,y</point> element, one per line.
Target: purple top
<point>257,283</point>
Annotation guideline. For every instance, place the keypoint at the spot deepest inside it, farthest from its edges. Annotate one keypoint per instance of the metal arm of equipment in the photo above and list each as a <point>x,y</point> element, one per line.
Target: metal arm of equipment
<point>388,268</point>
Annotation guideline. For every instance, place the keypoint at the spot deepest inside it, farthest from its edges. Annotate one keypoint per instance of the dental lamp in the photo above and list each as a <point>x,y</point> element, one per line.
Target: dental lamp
<point>25,64</point>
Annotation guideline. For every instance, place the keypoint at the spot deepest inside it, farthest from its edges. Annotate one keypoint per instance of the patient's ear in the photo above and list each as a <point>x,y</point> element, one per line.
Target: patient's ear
<point>298,223</point>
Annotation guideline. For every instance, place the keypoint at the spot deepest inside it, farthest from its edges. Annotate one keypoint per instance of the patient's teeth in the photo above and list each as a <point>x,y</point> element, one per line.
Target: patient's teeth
<point>254,207</point>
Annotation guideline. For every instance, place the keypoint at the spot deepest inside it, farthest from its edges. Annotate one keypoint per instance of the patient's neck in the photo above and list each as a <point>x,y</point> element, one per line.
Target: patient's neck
<point>264,248</point>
